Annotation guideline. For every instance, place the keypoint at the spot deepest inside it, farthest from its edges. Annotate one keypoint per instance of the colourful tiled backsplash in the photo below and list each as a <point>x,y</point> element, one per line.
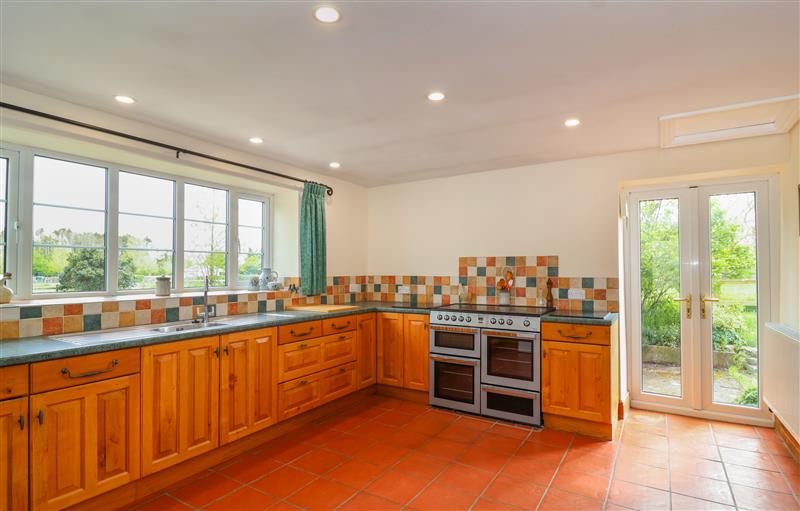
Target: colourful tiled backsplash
<point>478,275</point>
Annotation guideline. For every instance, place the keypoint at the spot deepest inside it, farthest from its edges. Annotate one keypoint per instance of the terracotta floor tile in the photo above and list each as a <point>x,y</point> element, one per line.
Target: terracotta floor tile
<point>429,423</point>
<point>594,446</point>
<point>441,497</point>
<point>498,443</point>
<point>689,438</point>
<point>681,422</point>
<point>511,431</point>
<point>394,418</point>
<point>203,491</point>
<point>348,444</point>
<point>644,475</point>
<point>162,503</point>
<point>483,459</point>
<point>530,470</point>
<point>794,482</point>
<point>396,486</point>
<point>634,496</point>
<point>774,447</point>
<point>755,499</point>
<point>367,502</point>
<point>467,479</point>
<point>373,430</point>
<point>459,432</point>
<point>543,453</point>
<point>476,423</point>
<point>407,439</point>
<point>421,465</point>
<point>515,492</point>
<point>702,488</point>
<point>594,487</point>
<point>345,423</point>
<point>734,429</point>
<point>763,479</point>
<point>656,429</point>
<point>588,463</point>
<point>684,503</point>
<point>282,505</point>
<point>286,451</point>
<point>561,500</point>
<point>485,504</point>
<point>367,412</point>
<point>759,460</point>
<point>447,449</point>
<point>696,467</point>
<point>283,481</point>
<point>411,408</point>
<point>319,435</point>
<point>641,439</point>
<point>709,452</point>
<point>382,455</point>
<point>249,468</point>
<point>740,442</point>
<point>787,464</point>
<point>322,494</point>
<point>244,499</point>
<point>355,473</point>
<point>318,461</point>
<point>552,437</point>
<point>636,454</point>
<point>646,417</point>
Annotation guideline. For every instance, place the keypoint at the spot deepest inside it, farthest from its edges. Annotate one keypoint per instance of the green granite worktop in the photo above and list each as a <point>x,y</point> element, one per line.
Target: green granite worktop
<point>582,318</point>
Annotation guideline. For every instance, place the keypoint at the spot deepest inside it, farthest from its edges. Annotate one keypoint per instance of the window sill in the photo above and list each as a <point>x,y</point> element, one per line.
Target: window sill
<point>134,296</point>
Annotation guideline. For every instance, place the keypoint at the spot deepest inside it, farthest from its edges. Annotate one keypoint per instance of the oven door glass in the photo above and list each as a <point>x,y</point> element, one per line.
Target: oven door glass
<point>454,383</point>
<point>511,361</point>
<point>511,404</point>
<point>455,341</point>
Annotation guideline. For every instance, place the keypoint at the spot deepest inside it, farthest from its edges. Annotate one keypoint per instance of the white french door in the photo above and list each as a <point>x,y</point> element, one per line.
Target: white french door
<point>699,273</point>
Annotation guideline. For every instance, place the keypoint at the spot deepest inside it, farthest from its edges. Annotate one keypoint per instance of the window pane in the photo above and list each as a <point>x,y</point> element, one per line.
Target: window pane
<point>203,203</point>
<point>68,184</point>
<point>249,266</point>
<point>3,177</point>
<point>61,226</point>
<point>250,239</point>
<point>205,237</point>
<point>138,269</point>
<point>251,212</point>
<point>145,232</point>
<point>146,195</point>
<point>68,269</point>
<point>197,265</point>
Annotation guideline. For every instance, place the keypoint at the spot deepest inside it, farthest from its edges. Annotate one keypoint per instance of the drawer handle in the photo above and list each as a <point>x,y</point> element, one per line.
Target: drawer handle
<point>303,345</point>
<point>292,332</point>
<point>66,372</point>
<point>303,382</point>
<point>21,422</point>
<point>333,325</point>
<point>40,416</point>
<point>341,369</point>
<point>562,334</point>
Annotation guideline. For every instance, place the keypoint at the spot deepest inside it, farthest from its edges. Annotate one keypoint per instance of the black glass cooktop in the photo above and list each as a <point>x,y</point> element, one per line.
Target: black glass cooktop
<point>511,310</point>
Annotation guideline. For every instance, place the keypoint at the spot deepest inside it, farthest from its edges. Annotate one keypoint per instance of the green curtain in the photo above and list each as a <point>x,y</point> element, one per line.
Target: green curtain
<point>313,272</point>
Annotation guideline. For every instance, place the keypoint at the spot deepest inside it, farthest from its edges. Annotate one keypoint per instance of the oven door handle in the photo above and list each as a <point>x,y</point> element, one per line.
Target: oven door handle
<point>456,329</point>
<point>525,336</point>
<point>508,392</point>
<point>458,361</point>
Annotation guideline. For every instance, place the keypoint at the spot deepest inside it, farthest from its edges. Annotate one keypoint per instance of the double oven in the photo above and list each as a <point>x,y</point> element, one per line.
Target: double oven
<point>486,360</point>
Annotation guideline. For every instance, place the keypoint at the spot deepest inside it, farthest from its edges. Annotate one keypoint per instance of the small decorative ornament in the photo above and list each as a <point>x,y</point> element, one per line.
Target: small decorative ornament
<point>6,293</point>
<point>163,286</point>
<point>254,284</point>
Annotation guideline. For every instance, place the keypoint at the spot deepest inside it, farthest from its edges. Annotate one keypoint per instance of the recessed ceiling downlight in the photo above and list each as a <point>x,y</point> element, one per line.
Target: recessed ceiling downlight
<point>436,96</point>
<point>125,99</point>
<point>334,165</point>
<point>256,140</point>
<point>326,14</point>
<point>571,123</point>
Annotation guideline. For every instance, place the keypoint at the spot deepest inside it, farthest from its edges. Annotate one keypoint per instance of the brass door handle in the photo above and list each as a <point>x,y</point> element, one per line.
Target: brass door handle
<point>688,301</point>
<point>703,300</point>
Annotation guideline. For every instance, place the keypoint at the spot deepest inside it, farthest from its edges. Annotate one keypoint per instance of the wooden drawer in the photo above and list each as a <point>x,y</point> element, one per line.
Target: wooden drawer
<point>13,381</point>
<point>339,381</point>
<point>306,357</point>
<point>338,325</point>
<point>572,332</point>
<point>68,372</point>
<point>298,396</point>
<point>299,331</point>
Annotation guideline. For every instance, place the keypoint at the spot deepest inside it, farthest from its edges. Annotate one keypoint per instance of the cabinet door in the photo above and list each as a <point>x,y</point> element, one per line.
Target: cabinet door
<point>14,454</point>
<point>576,380</point>
<point>84,441</point>
<point>247,383</point>
<point>415,351</point>
<point>366,346</point>
<point>339,381</point>
<point>390,348</point>
<point>180,387</point>
<point>558,378</point>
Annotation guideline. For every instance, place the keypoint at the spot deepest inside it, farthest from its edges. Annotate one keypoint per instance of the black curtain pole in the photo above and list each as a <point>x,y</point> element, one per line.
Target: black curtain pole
<point>178,150</point>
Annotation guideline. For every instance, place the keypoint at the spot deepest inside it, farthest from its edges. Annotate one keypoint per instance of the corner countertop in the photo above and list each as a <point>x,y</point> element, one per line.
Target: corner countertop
<point>37,349</point>
<point>582,318</point>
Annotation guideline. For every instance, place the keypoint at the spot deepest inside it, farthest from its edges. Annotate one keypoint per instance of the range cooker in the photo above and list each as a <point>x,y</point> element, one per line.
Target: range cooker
<point>485,359</point>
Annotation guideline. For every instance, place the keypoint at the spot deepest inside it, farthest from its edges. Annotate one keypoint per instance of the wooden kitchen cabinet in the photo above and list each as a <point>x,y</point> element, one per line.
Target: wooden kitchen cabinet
<point>14,453</point>
<point>298,396</point>
<point>415,351</point>
<point>366,346</point>
<point>301,358</point>
<point>248,383</point>
<point>84,441</point>
<point>390,349</point>
<point>180,399</point>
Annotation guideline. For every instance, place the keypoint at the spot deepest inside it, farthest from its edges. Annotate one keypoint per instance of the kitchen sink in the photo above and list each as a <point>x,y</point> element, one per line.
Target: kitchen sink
<point>280,315</point>
<point>183,327</point>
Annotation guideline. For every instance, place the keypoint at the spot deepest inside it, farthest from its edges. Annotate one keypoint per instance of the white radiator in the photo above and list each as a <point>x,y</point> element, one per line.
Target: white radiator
<point>781,368</point>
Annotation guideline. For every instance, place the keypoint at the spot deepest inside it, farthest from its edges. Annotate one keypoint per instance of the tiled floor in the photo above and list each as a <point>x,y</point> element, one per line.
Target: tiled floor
<point>390,454</point>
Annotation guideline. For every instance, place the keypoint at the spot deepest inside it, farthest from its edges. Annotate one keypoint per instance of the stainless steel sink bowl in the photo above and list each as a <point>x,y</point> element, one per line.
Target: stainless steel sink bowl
<point>182,327</point>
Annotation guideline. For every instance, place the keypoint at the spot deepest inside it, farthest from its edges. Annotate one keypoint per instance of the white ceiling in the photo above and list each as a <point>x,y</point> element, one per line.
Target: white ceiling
<point>355,92</point>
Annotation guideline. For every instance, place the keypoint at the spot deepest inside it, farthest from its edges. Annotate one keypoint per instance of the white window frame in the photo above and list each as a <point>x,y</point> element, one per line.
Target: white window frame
<point>228,220</point>
<point>266,218</point>
<point>19,220</point>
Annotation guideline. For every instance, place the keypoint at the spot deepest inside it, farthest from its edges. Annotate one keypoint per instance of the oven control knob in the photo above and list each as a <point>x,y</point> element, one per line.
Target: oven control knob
<point>439,316</point>
<point>453,318</point>
<point>502,321</point>
<point>446,317</point>
<point>469,319</point>
<point>493,321</point>
<point>509,322</point>
<point>526,323</point>
<point>461,318</point>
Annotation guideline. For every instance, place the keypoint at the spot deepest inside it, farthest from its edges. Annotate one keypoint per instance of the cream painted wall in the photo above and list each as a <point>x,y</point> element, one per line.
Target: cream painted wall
<point>790,236</point>
<point>346,210</point>
<point>565,208</point>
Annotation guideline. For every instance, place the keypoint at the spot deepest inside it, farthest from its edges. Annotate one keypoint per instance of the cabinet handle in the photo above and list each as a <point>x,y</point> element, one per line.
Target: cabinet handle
<point>341,369</point>
<point>562,334</point>
<point>303,345</point>
<point>40,416</point>
<point>544,354</point>
<point>216,351</point>
<point>303,382</point>
<point>333,325</point>
<point>21,422</point>
<point>342,337</point>
<point>66,372</point>
<point>226,351</point>
<point>292,332</point>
